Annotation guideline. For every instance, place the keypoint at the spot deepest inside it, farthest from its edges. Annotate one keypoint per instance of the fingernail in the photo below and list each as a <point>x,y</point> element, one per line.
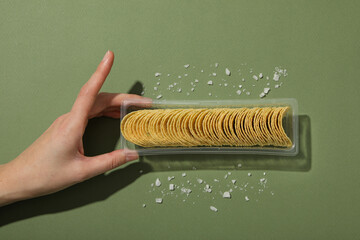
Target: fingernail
<point>106,56</point>
<point>131,155</point>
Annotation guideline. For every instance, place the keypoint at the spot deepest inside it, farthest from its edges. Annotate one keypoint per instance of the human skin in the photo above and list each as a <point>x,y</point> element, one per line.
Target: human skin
<point>56,159</point>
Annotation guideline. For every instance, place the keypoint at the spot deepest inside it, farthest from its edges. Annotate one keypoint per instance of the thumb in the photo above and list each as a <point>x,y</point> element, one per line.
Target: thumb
<point>105,162</point>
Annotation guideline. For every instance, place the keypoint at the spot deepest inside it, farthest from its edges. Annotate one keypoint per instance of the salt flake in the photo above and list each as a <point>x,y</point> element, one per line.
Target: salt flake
<point>227,72</point>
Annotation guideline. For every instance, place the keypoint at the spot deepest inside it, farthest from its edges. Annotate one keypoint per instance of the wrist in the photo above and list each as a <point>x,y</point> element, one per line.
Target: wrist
<point>9,188</point>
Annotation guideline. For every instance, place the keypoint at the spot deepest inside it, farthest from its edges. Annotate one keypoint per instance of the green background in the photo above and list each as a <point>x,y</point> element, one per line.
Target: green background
<point>48,49</point>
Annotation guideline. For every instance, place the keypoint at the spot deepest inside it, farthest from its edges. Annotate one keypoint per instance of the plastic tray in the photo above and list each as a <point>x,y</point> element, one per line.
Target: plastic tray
<point>290,124</point>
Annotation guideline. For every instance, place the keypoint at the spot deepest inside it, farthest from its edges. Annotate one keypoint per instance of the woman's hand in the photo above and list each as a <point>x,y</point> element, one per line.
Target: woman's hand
<point>56,159</point>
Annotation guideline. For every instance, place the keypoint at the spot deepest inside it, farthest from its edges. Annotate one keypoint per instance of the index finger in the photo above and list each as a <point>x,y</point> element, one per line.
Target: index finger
<point>88,93</point>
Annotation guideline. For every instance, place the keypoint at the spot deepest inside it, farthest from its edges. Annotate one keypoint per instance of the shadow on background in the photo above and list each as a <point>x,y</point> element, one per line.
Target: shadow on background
<point>300,162</point>
<point>101,136</point>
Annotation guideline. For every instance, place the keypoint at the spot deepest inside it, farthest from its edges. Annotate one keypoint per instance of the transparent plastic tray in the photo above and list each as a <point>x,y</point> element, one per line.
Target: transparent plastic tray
<point>290,124</point>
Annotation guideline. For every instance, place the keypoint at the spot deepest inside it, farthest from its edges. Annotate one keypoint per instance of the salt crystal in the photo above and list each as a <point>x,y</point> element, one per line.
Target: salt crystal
<point>261,75</point>
<point>179,76</point>
<point>226,195</point>
<point>214,74</point>
<point>210,82</point>
<point>216,65</point>
<point>249,174</point>
<point>179,90</point>
<point>200,180</point>
<point>227,72</point>
<point>266,90</point>
<point>158,200</point>
<point>226,176</point>
<point>171,178</point>
<point>268,84</point>
<point>239,165</point>
<point>276,77</point>
<point>240,86</point>
<point>168,75</point>
<point>159,96</point>
<point>186,190</point>
<point>248,93</point>
<point>185,74</point>
<point>157,74</point>
<point>243,79</point>
<point>196,80</point>
<point>157,182</point>
<point>141,171</point>
<point>171,187</point>
<point>267,77</point>
<point>152,185</point>
<point>158,83</point>
<point>225,84</point>
<point>264,173</point>
<point>238,92</point>
<point>277,86</point>
<point>247,198</point>
<point>187,65</point>
<point>263,180</point>
<point>144,205</point>
<point>187,94</point>
<point>255,77</point>
<point>192,89</point>
<point>262,95</point>
<point>214,209</point>
<point>202,70</point>
<point>216,180</point>
<point>155,88</point>
<point>183,174</point>
<point>233,181</point>
<point>210,94</point>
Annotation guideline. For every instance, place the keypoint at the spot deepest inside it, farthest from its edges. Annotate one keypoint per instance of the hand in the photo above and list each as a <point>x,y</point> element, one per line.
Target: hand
<point>56,159</point>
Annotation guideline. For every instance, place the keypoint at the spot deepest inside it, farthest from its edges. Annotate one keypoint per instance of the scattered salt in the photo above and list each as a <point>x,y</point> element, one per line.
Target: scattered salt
<point>262,95</point>
<point>214,209</point>
<point>210,82</point>
<point>144,205</point>
<point>249,174</point>
<point>247,198</point>
<point>225,84</point>
<point>192,89</point>
<point>216,65</point>
<point>158,200</point>
<point>183,174</point>
<point>187,65</point>
<point>159,96</point>
<point>276,77</point>
<point>210,94</point>
<point>196,80</point>
<point>226,195</point>
<point>277,86</point>
<point>171,178</point>
<point>227,72</point>
<point>171,187</point>
<point>233,181</point>
<point>185,74</point>
<point>261,75</point>
<point>255,77</point>
<point>238,92</point>
<point>200,180</point>
<point>157,74</point>
<point>157,182</point>
<point>240,86</point>
<point>266,90</point>
<point>155,88</point>
<point>216,180</point>
<point>214,74</point>
<point>158,83</point>
<point>239,165</point>
<point>179,90</point>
